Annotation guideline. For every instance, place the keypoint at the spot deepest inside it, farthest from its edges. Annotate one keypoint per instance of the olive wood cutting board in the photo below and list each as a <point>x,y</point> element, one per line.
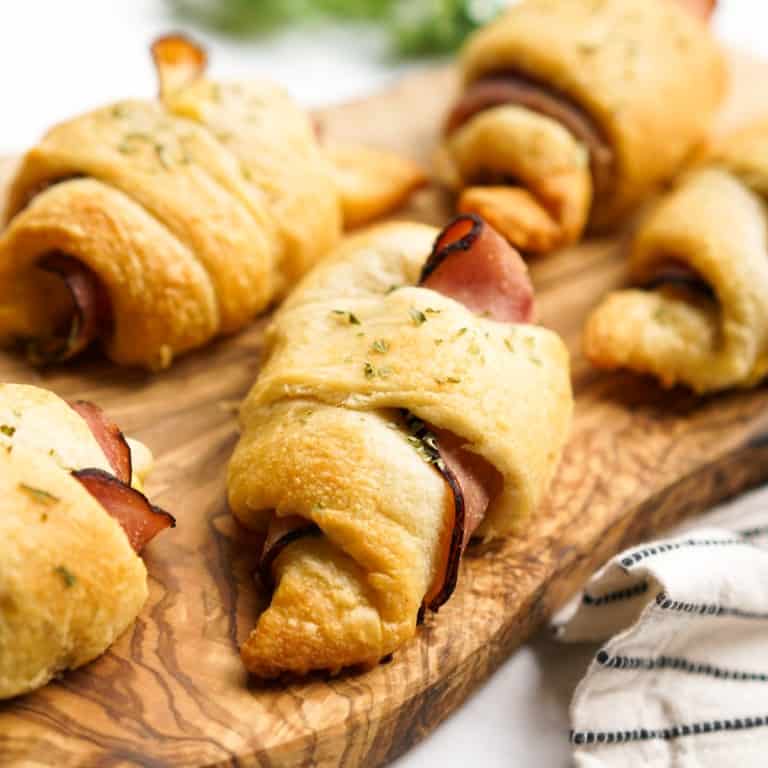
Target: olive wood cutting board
<point>172,690</point>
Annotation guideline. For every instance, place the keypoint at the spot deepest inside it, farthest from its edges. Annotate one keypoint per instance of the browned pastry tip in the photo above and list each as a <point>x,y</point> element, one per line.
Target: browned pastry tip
<point>179,61</point>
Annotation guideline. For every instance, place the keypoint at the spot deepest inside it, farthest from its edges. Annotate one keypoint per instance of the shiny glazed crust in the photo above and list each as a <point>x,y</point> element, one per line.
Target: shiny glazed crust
<point>323,437</point>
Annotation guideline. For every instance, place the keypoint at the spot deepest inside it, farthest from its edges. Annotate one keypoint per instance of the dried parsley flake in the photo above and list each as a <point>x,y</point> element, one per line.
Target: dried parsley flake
<point>351,317</point>
<point>66,575</point>
<point>417,316</point>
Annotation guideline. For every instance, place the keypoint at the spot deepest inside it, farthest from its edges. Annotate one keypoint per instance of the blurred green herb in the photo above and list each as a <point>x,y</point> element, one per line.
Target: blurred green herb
<point>416,27</point>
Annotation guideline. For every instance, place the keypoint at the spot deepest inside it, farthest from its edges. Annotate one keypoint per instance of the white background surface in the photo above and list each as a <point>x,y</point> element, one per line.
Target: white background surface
<point>58,57</point>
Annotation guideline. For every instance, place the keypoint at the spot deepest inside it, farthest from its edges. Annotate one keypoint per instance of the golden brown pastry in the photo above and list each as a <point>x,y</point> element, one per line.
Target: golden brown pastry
<point>154,226</point>
<point>699,312</point>
<point>574,110</point>
<point>72,520</point>
<point>405,404</point>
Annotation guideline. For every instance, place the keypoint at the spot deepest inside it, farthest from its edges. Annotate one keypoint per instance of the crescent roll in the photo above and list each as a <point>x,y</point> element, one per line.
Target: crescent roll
<point>698,314</point>
<point>72,521</point>
<point>154,226</point>
<point>406,403</point>
<point>573,111</point>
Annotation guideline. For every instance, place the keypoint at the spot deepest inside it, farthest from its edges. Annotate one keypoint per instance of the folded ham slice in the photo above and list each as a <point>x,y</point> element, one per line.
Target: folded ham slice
<point>140,520</point>
<point>677,273</point>
<point>109,437</point>
<point>520,90</point>
<point>475,265</point>
<point>91,311</point>
<point>282,531</point>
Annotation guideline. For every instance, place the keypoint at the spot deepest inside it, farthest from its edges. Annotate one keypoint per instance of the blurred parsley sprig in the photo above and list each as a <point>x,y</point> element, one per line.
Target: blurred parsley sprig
<point>416,27</point>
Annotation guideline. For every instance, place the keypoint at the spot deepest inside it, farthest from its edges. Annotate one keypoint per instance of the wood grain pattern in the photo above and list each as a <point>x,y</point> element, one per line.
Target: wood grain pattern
<point>172,691</point>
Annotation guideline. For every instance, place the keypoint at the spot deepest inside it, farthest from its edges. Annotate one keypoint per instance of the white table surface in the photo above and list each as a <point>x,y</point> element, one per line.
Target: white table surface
<point>59,57</point>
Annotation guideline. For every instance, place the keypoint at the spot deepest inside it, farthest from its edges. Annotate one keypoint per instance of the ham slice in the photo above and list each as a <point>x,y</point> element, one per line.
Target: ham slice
<point>473,482</point>
<point>472,263</point>
<point>109,437</point>
<point>91,313</point>
<point>281,532</point>
<point>140,520</point>
<point>677,273</point>
<point>514,88</point>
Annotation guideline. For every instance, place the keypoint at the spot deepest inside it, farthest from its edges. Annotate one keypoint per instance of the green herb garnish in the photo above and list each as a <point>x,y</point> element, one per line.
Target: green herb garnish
<point>138,136</point>
<point>423,441</point>
<point>371,371</point>
<point>417,316</point>
<point>351,317</point>
<point>163,156</point>
<point>7,430</point>
<point>67,576</point>
<point>381,346</point>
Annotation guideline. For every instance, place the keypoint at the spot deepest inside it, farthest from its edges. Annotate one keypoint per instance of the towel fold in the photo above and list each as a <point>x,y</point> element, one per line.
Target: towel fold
<point>681,679</point>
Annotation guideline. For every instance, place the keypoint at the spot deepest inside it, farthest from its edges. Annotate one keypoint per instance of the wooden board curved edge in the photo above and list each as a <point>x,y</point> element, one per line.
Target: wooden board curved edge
<point>172,692</point>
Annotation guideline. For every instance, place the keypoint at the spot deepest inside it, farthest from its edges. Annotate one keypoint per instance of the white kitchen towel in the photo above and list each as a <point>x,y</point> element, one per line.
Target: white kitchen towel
<point>681,679</point>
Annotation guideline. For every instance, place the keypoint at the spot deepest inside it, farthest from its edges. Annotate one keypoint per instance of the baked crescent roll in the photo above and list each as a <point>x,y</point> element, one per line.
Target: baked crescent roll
<point>154,226</point>
<point>573,111</point>
<point>405,404</point>
<point>698,314</point>
<point>72,520</point>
